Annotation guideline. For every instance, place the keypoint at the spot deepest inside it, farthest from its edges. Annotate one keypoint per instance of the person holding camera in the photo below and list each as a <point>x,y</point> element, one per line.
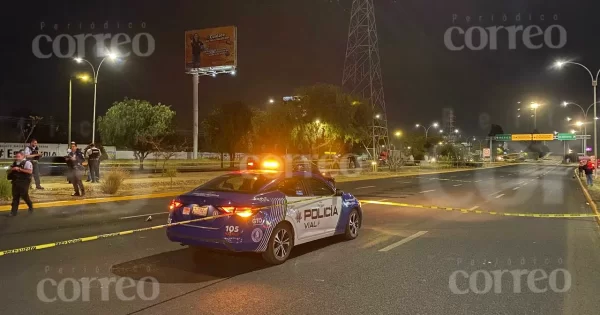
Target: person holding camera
<point>20,176</point>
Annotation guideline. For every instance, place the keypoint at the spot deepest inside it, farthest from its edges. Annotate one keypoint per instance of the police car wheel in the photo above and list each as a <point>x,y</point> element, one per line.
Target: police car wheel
<point>280,245</point>
<point>353,225</point>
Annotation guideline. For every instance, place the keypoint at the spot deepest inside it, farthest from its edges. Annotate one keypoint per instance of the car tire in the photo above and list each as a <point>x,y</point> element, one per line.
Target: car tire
<point>280,245</point>
<point>353,225</point>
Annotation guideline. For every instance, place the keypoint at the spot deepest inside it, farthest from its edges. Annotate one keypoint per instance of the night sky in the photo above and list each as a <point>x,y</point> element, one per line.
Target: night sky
<point>285,44</point>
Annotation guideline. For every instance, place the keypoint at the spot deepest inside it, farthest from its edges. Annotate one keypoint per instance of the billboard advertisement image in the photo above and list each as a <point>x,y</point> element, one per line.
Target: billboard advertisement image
<point>211,47</point>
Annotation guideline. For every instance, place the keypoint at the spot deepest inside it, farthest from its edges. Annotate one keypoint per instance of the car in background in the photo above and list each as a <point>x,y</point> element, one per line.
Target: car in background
<point>53,166</point>
<point>263,211</point>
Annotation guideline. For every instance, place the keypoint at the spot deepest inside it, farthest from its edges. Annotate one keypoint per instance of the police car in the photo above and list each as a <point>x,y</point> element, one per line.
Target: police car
<point>263,211</point>
<point>299,163</point>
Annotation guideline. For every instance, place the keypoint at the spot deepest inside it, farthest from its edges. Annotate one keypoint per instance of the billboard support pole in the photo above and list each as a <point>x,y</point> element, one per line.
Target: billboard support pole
<point>195,131</point>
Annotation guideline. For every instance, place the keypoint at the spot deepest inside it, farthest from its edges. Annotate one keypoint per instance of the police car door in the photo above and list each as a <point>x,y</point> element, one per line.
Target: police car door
<point>329,205</point>
<point>300,204</point>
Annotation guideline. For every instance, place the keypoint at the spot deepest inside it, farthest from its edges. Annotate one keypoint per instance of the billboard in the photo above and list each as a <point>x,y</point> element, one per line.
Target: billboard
<point>211,47</point>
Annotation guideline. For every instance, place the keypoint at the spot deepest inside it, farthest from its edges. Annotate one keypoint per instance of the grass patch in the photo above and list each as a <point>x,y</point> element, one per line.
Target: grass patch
<point>5,187</point>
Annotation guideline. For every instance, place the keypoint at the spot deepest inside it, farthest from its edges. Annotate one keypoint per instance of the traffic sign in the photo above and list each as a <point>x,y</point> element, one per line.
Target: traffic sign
<point>486,152</point>
<point>522,137</point>
<point>543,136</point>
<point>503,137</point>
<point>566,136</point>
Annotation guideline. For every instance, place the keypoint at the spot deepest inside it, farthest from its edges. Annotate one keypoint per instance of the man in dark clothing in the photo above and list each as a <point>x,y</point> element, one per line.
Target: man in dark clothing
<point>20,175</point>
<point>76,159</point>
<point>32,153</point>
<point>93,156</point>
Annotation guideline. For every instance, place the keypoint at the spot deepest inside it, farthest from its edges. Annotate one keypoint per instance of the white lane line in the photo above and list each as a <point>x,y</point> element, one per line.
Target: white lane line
<point>516,188</point>
<point>477,181</point>
<point>499,191</point>
<point>142,215</point>
<point>364,187</point>
<point>501,176</point>
<point>525,184</point>
<point>457,185</point>
<point>499,196</point>
<point>403,241</point>
<point>426,191</point>
<point>473,208</point>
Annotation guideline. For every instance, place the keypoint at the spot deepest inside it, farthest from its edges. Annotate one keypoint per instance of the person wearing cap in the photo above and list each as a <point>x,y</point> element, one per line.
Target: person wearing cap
<point>20,176</point>
<point>75,161</point>
<point>93,156</point>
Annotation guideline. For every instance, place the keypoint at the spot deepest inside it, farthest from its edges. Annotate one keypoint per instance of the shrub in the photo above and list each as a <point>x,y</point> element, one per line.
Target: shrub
<point>113,180</point>
<point>5,187</point>
<point>170,172</point>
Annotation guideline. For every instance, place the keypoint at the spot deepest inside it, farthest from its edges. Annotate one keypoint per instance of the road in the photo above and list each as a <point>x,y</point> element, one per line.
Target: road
<point>403,261</point>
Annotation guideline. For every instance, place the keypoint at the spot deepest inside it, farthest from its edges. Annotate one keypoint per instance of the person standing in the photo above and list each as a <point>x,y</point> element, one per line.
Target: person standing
<point>93,155</point>
<point>20,176</point>
<point>76,159</point>
<point>589,172</point>
<point>32,153</point>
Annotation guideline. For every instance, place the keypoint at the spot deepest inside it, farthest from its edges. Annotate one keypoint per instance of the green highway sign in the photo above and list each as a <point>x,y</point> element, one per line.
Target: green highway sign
<point>566,136</point>
<point>503,137</point>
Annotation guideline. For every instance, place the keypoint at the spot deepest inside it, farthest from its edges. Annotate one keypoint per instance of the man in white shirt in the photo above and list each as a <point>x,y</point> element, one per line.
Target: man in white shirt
<point>33,154</point>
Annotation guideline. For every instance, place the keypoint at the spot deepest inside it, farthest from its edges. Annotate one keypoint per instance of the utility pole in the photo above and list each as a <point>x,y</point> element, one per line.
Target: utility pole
<point>362,68</point>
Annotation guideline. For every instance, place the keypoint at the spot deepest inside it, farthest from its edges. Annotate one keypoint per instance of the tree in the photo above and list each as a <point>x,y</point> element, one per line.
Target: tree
<point>228,128</point>
<point>136,124</point>
<point>167,147</point>
<point>27,126</point>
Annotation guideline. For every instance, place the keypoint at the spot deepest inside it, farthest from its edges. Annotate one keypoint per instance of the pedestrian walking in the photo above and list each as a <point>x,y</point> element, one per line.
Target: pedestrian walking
<point>76,159</point>
<point>20,176</point>
<point>589,172</point>
<point>33,154</point>
<point>93,155</point>
<point>581,168</point>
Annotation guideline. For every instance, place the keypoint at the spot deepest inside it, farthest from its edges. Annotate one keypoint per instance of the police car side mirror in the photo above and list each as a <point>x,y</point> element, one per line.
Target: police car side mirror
<point>338,192</point>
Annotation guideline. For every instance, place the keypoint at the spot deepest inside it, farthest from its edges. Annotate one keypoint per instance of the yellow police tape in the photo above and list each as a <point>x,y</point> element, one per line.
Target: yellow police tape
<point>462,210</point>
<point>121,233</point>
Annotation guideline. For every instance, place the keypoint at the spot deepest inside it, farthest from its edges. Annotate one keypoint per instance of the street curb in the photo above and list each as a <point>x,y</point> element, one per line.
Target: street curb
<point>588,197</point>
<point>75,202</point>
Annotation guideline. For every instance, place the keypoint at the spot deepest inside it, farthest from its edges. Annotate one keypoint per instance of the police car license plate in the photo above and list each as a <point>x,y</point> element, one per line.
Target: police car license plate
<point>186,210</point>
<point>201,211</point>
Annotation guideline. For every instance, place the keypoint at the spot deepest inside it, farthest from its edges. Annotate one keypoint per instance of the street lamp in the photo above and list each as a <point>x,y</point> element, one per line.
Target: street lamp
<point>377,116</point>
<point>559,64</point>
<point>398,134</point>
<point>534,106</point>
<point>111,56</point>
<point>271,101</point>
<point>84,78</point>
<point>585,115</point>
<point>434,125</point>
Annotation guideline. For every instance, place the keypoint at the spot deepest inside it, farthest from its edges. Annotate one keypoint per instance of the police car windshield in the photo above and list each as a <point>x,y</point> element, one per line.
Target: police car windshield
<point>238,182</point>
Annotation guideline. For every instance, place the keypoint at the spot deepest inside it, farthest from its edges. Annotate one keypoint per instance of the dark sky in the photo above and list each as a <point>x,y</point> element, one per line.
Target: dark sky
<point>284,44</point>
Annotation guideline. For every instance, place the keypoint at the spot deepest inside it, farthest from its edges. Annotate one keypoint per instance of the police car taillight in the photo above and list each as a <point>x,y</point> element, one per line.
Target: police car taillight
<point>175,204</point>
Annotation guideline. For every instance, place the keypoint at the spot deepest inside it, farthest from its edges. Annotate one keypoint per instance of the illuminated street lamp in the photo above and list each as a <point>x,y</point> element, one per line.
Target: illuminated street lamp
<point>111,56</point>
<point>398,134</point>
<point>559,64</point>
<point>434,125</point>
<point>271,101</point>
<point>377,116</point>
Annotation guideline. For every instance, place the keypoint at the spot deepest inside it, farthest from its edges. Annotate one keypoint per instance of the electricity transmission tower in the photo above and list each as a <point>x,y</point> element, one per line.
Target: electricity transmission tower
<point>362,69</point>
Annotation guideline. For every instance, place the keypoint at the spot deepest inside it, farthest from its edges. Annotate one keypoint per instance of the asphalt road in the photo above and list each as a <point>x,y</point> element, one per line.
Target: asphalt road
<point>403,262</point>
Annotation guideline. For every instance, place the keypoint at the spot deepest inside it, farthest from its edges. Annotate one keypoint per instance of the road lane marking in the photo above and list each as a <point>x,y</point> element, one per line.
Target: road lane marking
<point>142,215</point>
<point>499,191</point>
<point>516,188</point>
<point>499,196</point>
<point>473,208</point>
<point>477,181</point>
<point>457,185</point>
<point>525,184</point>
<point>426,191</point>
<point>403,241</point>
<point>364,187</point>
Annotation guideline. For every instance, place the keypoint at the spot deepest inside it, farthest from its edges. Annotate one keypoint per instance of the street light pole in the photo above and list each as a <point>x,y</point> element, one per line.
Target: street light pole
<point>594,85</point>
<point>95,72</point>
<point>70,102</point>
